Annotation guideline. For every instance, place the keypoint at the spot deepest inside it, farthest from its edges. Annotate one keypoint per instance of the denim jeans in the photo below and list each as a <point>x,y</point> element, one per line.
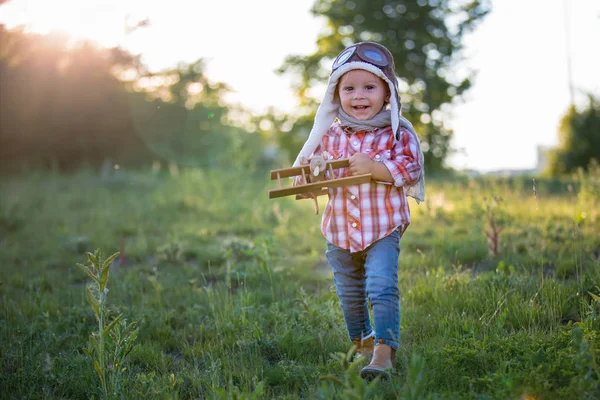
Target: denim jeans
<point>369,274</point>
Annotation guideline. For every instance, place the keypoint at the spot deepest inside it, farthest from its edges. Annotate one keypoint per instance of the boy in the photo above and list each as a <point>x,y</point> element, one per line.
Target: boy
<point>363,223</point>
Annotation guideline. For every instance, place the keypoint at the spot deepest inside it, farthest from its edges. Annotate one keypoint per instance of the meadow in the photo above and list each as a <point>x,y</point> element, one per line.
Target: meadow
<point>225,294</point>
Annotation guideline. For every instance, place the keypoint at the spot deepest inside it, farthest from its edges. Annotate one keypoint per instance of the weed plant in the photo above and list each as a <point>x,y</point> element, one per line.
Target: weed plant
<point>110,346</point>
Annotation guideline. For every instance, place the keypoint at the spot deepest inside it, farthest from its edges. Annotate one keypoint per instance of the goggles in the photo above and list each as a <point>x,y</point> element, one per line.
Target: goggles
<point>369,52</point>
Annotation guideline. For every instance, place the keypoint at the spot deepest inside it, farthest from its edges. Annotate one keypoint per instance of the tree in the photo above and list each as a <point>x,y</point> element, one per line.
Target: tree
<point>61,105</point>
<point>425,37</point>
<point>579,139</point>
<point>181,116</point>
<point>67,105</point>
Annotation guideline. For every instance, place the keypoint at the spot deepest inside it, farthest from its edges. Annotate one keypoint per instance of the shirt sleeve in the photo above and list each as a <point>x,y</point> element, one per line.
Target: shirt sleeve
<point>404,163</point>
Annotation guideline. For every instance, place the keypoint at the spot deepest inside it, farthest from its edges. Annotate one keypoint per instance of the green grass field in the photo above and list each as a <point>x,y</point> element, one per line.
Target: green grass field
<point>232,296</point>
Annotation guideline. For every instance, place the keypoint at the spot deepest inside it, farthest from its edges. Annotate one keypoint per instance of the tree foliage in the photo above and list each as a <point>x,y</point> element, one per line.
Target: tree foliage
<point>425,37</point>
<point>64,104</point>
<point>60,105</point>
<point>181,116</point>
<point>579,139</point>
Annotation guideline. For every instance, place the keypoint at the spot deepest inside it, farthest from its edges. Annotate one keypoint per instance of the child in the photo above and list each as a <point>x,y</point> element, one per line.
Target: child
<point>363,223</point>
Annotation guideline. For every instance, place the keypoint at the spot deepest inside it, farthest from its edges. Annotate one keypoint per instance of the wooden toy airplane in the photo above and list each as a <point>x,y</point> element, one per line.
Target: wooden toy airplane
<point>313,179</point>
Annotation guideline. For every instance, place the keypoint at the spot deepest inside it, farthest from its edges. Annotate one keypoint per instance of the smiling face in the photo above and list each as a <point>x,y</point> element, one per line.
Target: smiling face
<point>362,94</point>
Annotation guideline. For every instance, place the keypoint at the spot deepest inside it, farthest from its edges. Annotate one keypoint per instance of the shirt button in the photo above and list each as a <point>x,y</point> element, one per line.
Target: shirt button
<point>353,197</point>
<point>377,156</point>
<point>354,224</point>
<point>355,143</point>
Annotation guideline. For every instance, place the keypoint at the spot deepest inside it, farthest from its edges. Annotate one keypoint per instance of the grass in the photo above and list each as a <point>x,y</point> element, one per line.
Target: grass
<point>232,296</point>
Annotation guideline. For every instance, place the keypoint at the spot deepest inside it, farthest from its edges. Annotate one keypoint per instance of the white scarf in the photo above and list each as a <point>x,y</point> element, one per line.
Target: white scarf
<point>380,120</point>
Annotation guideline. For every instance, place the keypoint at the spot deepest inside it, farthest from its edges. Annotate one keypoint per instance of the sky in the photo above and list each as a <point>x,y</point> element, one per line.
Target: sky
<point>520,52</point>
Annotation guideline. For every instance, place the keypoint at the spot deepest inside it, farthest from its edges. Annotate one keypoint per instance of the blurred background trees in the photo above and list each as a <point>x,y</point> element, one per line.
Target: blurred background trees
<point>425,37</point>
<point>59,103</point>
<point>579,139</point>
<point>66,104</point>
<point>182,116</point>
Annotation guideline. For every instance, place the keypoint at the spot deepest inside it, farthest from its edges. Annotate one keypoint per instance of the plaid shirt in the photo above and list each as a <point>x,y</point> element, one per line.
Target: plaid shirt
<point>356,216</point>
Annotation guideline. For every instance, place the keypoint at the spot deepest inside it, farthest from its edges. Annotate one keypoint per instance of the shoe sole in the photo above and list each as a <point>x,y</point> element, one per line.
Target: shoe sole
<point>372,373</point>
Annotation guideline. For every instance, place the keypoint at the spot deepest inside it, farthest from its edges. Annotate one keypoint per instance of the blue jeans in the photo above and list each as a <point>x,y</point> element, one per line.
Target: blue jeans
<point>369,274</point>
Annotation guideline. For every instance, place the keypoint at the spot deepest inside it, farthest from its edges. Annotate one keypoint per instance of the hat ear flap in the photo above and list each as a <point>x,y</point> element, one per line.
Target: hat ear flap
<point>395,112</point>
<point>326,114</point>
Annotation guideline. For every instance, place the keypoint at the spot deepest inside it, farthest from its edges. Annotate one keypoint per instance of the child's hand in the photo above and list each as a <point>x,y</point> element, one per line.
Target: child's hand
<point>299,180</point>
<point>360,164</point>
<point>317,169</point>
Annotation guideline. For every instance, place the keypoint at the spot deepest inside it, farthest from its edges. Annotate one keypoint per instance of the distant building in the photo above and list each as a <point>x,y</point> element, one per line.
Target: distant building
<point>542,158</point>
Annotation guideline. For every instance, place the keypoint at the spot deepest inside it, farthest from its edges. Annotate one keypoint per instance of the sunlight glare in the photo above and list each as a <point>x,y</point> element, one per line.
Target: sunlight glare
<point>100,21</point>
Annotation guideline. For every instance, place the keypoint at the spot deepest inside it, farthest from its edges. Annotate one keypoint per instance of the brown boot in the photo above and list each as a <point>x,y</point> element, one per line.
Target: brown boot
<point>382,363</point>
<point>364,348</point>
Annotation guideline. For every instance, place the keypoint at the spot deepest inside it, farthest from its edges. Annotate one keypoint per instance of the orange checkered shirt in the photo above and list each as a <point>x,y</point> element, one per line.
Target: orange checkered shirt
<point>356,216</point>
